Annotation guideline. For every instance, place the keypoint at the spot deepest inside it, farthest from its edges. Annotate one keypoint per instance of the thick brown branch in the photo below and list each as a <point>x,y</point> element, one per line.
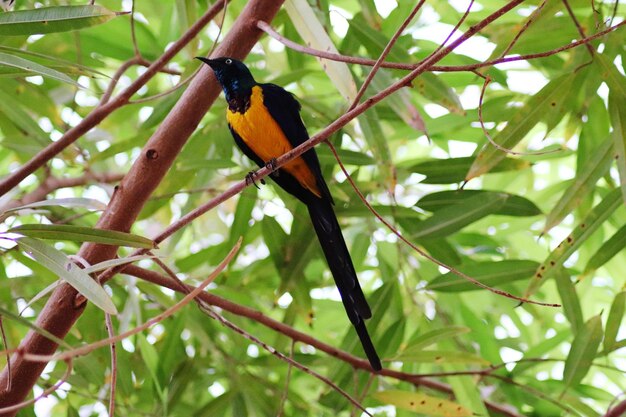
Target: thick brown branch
<point>159,153</point>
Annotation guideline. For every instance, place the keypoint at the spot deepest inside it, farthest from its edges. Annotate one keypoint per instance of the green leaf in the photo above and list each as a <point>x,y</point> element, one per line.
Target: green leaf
<point>313,33</point>
<point>111,263</point>
<point>35,68</point>
<point>592,221</point>
<point>83,234</point>
<point>422,403</point>
<point>57,262</point>
<point>52,19</point>
<point>514,206</point>
<point>617,111</point>
<point>430,338</point>
<point>594,168</point>
<point>608,250</point>
<point>453,218</point>
<point>243,214</point>
<point>493,274</point>
<point>19,319</point>
<point>88,203</point>
<point>440,357</point>
<point>569,300</point>
<point>583,352</point>
<point>453,170</point>
<point>534,110</point>
<point>616,315</point>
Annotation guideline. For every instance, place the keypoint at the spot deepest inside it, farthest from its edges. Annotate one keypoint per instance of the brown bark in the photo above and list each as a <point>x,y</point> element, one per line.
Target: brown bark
<point>60,312</point>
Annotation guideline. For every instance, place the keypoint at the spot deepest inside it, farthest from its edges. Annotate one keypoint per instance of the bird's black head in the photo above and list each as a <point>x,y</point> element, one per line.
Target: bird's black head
<point>232,74</point>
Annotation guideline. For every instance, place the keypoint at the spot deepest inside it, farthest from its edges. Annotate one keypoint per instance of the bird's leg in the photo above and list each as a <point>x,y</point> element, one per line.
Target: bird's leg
<point>250,179</point>
<point>271,165</point>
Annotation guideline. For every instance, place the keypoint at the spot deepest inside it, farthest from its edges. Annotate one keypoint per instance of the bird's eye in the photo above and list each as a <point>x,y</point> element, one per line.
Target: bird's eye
<point>228,61</point>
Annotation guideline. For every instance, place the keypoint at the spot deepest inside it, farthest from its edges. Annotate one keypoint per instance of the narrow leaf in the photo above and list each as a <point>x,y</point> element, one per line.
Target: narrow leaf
<point>451,219</point>
<point>313,33</point>
<point>569,300</point>
<point>52,19</point>
<point>452,170</point>
<point>57,262</point>
<point>592,221</point>
<point>34,327</point>
<point>534,110</point>
<point>594,168</point>
<point>514,206</point>
<point>35,68</point>
<point>583,352</point>
<point>434,336</point>
<point>608,250</point>
<point>492,274</point>
<point>440,357</point>
<point>88,203</point>
<point>111,263</point>
<point>83,234</point>
<point>613,323</point>
<point>422,403</point>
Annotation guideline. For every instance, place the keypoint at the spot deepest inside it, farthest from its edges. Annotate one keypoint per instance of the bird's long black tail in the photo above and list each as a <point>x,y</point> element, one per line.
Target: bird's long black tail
<point>340,264</point>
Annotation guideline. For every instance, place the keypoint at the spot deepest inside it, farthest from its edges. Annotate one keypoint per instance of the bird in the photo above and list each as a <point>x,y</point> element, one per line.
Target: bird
<point>265,122</point>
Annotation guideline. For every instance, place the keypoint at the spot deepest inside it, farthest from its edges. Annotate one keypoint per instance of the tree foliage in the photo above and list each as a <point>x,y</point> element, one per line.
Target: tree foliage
<point>502,165</point>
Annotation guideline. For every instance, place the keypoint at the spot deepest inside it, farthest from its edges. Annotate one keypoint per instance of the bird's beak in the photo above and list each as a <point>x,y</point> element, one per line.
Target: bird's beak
<point>209,62</point>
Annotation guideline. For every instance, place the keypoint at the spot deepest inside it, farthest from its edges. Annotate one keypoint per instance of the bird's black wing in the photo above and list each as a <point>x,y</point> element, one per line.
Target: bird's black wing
<point>285,110</point>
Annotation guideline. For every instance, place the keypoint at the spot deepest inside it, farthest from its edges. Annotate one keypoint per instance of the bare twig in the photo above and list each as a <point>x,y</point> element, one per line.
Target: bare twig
<point>6,346</point>
<point>111,333</point>
<point>45,393</point>
<point>531,19</point>
<point>297,336</point>
<point>384,54</point>
<point>287,359</point>
<point>411,66</point>
<point>283,398</point>
<point>496,145</point>
<point>425,254</point>
<point>83,350</point>
<point>580,29</point>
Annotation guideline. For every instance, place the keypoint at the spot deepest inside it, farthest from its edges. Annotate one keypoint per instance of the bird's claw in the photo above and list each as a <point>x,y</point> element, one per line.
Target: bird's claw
<point>271,165</point>
<point>250,179</point>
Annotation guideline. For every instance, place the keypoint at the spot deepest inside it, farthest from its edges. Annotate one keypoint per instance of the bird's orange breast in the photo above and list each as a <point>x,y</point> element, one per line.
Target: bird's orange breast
<point>258,129</point>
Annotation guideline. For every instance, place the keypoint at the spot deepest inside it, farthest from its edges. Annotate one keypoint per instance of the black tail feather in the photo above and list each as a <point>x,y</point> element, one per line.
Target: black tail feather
<point>340,264</point>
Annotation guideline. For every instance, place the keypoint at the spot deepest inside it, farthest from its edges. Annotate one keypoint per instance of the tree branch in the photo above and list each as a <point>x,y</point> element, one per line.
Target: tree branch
<point>60,312</point>
<point>297,336</point>
<point>102,111</point>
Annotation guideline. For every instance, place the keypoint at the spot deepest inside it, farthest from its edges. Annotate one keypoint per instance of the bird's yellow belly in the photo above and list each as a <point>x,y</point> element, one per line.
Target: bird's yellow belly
<point>265,138</point>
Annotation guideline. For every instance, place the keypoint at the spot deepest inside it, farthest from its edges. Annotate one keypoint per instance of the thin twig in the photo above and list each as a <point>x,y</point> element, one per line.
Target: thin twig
<point>287,359</point>
<point>496,145</point>
<point>580,29</point>
<point>160,317</point>
<point>111,333</point>
<point>283,398</point>
<point>45,393</point>
<point>264,26</point>
<point>384,54</point>
<point>298,336</point>
<point>6,345</point>
<point>132,29</point>
<point>531,19</point>
<point>423,253</point>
